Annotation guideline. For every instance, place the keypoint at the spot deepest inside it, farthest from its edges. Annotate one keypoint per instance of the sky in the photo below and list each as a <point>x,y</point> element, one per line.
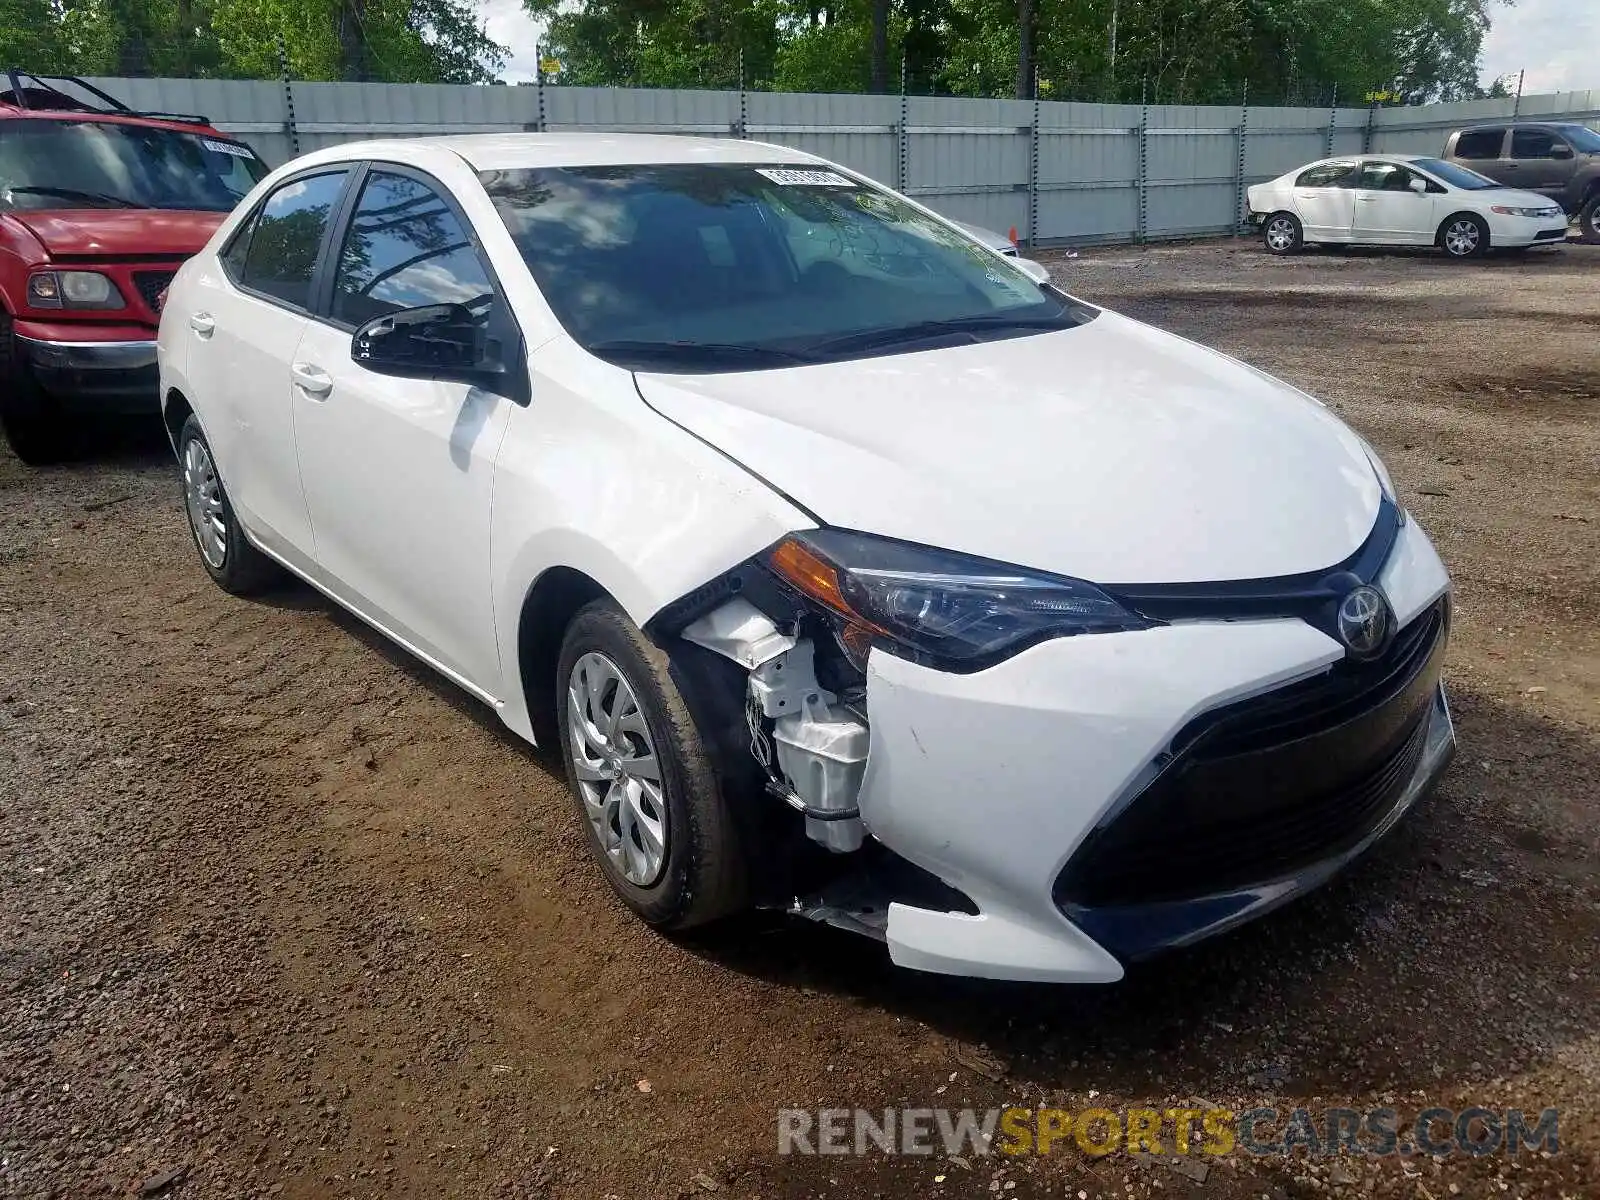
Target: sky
<point>511,26</point>
<point>1555,41</point>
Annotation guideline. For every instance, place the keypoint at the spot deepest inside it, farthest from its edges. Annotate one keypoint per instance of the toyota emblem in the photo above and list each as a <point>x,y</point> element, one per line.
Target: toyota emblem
<point>1364,621</point>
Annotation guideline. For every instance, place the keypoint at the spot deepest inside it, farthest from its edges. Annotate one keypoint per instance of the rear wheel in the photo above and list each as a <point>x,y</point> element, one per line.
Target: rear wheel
<point>1589,220</point>
<point>227,555</point>
<point>1464,235</point>
<point>1282,234</point>
<point>32,423</point>
<point>642,780</point>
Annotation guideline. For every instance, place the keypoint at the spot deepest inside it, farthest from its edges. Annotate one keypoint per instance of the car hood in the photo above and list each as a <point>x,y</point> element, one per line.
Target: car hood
<point>120,232</point>
<point>1516,198</point>
<point>1111,452</point>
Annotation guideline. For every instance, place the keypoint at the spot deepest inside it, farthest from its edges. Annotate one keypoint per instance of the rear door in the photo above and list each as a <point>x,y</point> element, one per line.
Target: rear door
<point>1324,201</point>
<point>1389,211</point>
<point>1484,151</point>
<point>1541,161</point>
<point>399,472</point>
<point>246,317</point>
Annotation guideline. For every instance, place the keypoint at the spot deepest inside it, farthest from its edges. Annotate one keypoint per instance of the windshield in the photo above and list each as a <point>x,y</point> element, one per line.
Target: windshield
<point>1584,140</point>
<point>697,267</point>
<point>1456,176</point>
<point>104,164</point>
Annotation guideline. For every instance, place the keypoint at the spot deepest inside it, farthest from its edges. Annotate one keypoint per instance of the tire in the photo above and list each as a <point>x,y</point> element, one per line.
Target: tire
<point>225,552</point>
<point>32,423</point>
<point>1589,221</point>
<point>1281,233</point>
<point>699,871</point>
<point>1463,235</point>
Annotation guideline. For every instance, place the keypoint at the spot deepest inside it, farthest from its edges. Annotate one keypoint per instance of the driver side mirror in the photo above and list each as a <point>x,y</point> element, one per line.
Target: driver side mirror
<point>1035,271</point>
<point>436,341</point>
<point>1560,150</point>
<point>1419,186</point>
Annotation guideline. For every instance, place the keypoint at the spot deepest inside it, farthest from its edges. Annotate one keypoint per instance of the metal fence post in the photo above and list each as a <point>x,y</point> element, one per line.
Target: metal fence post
<point>1238,176</point>
<point>1333,119</point>
<point>538,84</point>
<point>288,100</point>
<point>902,149</point>
<point>1367,132</point>
<point>1033,166</point>
<point>1516,105</point>
<point>1143,178</point>
<point>743,105</point>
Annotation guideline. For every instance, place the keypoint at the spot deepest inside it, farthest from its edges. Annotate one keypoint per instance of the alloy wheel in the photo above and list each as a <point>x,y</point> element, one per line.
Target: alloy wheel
<point>1280,233</point>
<point>1461,238</point>
<point>202,491</point>
<point>618,773</point>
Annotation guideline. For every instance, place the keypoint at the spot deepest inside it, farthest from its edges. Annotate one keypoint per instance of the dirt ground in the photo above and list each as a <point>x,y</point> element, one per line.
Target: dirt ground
<point>283,914</point>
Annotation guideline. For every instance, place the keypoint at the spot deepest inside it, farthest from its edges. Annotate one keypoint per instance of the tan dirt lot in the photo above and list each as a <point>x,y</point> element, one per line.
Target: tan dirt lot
<point>286,915</point>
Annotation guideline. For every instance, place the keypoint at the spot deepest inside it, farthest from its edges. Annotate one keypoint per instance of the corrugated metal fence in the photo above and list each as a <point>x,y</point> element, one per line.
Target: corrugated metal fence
<point>1056,172</point>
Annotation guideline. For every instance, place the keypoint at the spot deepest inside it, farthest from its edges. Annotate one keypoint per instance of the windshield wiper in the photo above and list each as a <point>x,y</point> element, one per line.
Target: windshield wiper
<point>74,194</point>
<point>681,350</point>
<point>920,331</point>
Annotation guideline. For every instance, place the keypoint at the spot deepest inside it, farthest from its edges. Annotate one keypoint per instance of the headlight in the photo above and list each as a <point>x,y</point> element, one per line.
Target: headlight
<point>1508,211</point>
<point>933,606</point>
<point>73,289</point>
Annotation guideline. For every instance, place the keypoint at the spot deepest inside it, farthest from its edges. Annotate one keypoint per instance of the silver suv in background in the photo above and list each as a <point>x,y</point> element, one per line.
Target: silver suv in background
<point>1558,159</point>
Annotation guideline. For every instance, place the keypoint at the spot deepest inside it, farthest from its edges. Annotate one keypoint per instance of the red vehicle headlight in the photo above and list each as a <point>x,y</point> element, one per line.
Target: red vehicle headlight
<point>73,289</point>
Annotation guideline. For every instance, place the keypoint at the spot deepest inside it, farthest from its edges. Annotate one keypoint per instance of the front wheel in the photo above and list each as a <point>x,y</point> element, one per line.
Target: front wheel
<point>642,780</point>
<point>1464,236</point>
<point>33,425</point>
<point>1282,233</point>
<point>1589,221</point>
<point>227,555</point>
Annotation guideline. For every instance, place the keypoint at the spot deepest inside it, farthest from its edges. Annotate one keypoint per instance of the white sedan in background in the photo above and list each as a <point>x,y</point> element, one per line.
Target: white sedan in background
<point>1400,200</point>
<point>853,572</point>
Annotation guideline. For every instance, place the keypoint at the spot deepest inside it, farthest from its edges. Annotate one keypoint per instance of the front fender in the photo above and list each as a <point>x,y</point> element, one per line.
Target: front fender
<point>592,479</point>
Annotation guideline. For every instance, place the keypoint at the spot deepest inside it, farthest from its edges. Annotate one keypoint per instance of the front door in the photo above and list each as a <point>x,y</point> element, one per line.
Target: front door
<point>399,472</point>
<point>1389,209</point>
<point>1534,156</point>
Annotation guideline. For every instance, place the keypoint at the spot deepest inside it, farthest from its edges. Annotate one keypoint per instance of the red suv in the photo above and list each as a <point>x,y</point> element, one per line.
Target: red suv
<point>98,207</point>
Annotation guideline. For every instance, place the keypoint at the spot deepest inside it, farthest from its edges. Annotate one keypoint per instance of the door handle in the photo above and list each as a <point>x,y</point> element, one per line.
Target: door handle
<point>1366,199</point>
<point>202,323</point>
<point>313,381</point>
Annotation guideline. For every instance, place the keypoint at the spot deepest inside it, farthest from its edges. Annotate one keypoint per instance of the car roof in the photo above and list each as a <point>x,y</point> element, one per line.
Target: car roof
<point>511,151</point>
<point>1391,158</point>
<point>81,116</point>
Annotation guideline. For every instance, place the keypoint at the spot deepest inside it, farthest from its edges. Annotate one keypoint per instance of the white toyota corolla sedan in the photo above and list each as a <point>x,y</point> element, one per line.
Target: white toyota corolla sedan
<point>854,570</point>
<point>1400,200</point>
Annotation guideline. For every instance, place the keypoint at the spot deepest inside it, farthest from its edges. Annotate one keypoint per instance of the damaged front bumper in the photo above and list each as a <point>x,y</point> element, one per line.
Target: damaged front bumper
<point>1094,799</point>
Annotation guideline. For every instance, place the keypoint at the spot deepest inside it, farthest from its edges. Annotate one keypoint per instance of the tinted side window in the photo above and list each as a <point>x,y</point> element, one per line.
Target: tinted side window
<point>1532,143</point>
<point>405,248</point>
<point>283,245</point>
<point>1480,143</point>
<point>1327,175</point>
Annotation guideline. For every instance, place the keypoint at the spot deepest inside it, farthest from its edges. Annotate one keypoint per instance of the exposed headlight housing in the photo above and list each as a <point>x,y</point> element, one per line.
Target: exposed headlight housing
<point>943,609</point>
<point>1385,483</point>
<point>73,289</point>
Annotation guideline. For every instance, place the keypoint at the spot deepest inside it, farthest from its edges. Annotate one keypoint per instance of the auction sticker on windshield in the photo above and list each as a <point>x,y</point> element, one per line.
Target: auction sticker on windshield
<point>226,148</point>
<point>790,177</point>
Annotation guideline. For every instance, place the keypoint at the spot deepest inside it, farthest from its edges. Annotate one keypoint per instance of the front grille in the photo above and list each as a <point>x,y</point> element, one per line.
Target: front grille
<point>151,284</point>
<point>1268,786</point>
